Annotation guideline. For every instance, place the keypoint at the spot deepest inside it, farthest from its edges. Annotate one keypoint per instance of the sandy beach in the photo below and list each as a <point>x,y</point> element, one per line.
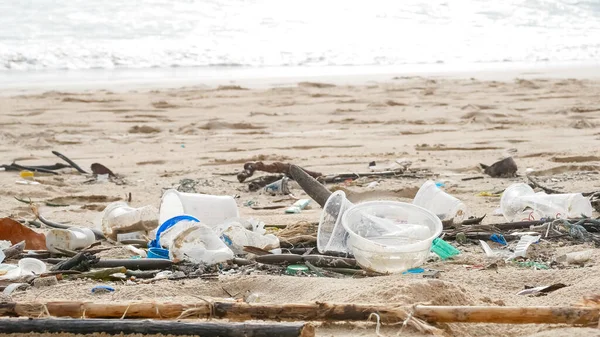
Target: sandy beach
<point>445,126</point>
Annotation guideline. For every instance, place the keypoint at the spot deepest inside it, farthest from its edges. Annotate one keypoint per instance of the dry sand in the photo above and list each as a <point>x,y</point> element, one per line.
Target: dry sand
<point>156,138</point>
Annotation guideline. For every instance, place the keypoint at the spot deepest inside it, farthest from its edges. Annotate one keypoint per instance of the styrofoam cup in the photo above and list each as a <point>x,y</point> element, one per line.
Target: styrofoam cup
<point>442,204</point>
<point>211,210</point>
<point>331,235</point>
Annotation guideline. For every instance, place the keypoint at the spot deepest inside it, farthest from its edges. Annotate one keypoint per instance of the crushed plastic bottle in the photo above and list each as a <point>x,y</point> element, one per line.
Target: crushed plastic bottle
<point>120,218</point>
<point>236,236</point>
<point>200,244</point>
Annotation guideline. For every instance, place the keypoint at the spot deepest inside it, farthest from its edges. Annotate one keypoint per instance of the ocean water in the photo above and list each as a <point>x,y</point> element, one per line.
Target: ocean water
<point>53,35</point>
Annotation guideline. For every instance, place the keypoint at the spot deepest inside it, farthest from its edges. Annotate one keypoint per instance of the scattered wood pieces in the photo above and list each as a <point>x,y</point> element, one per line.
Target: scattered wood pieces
<point>69,161</point>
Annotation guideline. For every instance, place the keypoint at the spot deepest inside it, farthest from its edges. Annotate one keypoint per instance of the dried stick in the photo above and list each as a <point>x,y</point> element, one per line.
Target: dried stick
<point>14,250</point>
<point>546,189</point>
<point>116,327</point>
<point>276,167</point>
<point>238,311</point>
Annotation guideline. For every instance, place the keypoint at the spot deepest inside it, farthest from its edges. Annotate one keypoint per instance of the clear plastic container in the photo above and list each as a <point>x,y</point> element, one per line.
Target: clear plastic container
<point>200,244</point>
<point>518,198</point>
<point>442,204</point>
<point>211,210</point>
<point>70,239</point>
<point>389,236</point>
<point>331,235</point>
<point>119,218</point>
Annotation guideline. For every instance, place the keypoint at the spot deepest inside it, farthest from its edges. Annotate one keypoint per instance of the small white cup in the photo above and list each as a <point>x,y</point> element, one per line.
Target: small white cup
<point>211,210</point>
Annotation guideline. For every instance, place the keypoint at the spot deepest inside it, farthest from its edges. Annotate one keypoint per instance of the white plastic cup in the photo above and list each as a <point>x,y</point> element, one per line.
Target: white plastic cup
<point>120,218</point>
<point>30,266</point>
<point>442,204</point>
<point>69,239</point>
<point>211,210</point>
<point>331,235</point>
<point>400,238</point>
<point>519,197</point>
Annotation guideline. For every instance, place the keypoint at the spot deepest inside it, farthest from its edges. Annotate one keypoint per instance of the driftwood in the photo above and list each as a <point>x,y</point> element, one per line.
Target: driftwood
<point>239,311</point>
<point>98,234</point>
<point>316,260</point>
<point>310,185</point>
<point>141,264</point>
<point>37,168</point>
<point>338,178</point>
<point>99,169</point>
<point>14,250</point>
<point>102,274</point>
<point>115,327</point>
<point>276,167</point>
<point>545,189</point>
<point>82,261</point>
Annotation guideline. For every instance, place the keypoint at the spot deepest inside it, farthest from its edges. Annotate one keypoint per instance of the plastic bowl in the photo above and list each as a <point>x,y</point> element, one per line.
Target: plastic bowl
<point>390,236</point>
<point>32,266</point>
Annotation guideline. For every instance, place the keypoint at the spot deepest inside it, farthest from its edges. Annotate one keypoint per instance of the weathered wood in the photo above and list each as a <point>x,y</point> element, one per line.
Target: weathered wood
<point>316,260</point>
<point>140,264</point>
<point>239,311</point>
<point>88,326</point>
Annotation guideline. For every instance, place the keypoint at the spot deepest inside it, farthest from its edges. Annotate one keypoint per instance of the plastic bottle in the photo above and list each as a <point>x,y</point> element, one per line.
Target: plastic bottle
<point>70,239</point>
<point>200,244</point>
<point>236,237</point>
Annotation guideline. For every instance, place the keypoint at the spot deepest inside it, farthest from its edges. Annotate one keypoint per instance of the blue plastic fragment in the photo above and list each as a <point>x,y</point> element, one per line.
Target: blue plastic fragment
<point>102,289</point>
<point>414,271</point>
<point>440,184</point>
<point>499,238</point>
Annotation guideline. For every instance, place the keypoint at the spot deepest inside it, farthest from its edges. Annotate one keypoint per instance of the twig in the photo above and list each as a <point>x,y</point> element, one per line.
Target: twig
<point>472,178</point>
<point>72,163</point>
<point>98,234</point>
<point>276,167</point>
<point>546,189</point>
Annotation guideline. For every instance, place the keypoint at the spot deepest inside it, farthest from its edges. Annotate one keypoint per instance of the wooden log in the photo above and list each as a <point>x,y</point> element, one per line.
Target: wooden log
<point>89,326</point>
<point>508,315</point>
<point>238,311</point>
<point>140,264</point>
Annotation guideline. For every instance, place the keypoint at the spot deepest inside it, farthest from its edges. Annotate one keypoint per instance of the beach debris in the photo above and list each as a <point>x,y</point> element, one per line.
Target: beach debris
<point>99,170</point>
<point>432,274</point>
<point>102,289</point>
<point>13,250</point>
<point>211,210</point>
<point>101,274</point>
<point>520,199</point>
<point>505,168</point>
<point>316,260</point>
<point>47,281</point>
<point>279,187</point>
<point>120,218</point>
<point>541,291</point>
<point>445,206</point>
<point>15,232</point>
<point>13,287</point>
<point>31,266</point>
<point>260,182</point>
<point>275,167</point>
<point>310,185</point>
<point>443,249</point>
<point>298,206</point>
<point>199,244</point>
<point>70,162</point>
<point>175,328</point>
<point>576,257</point>
<point>296,269</point>
<point>73,238</point>
<point>82,261</point>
